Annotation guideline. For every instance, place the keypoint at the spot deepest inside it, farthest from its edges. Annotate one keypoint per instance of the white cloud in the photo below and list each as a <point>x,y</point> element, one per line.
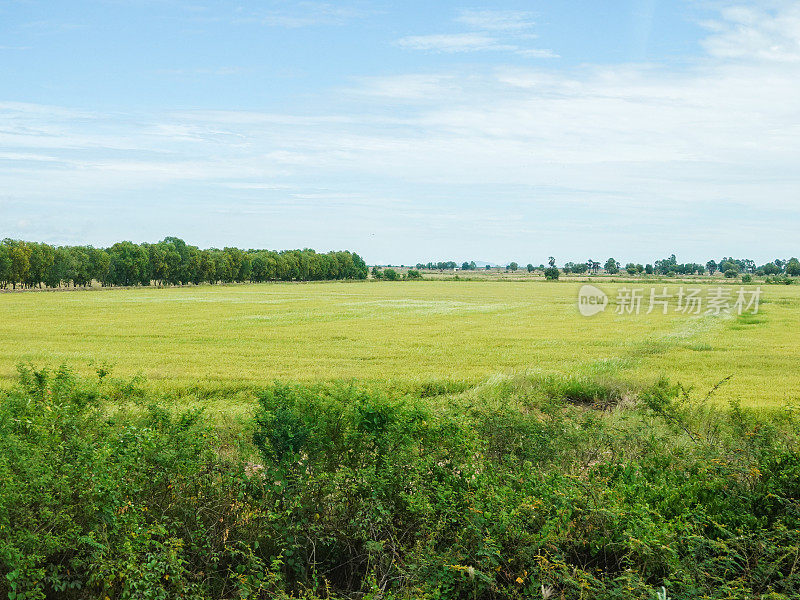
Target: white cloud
<point>304,14</point>
<point>451,42</point>
<point>500,20</point>
<point>499,31</point>
<point>749,32</point>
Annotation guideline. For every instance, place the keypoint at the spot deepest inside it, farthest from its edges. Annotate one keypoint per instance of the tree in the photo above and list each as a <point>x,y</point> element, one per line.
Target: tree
<point>648,269</point>
<point>770,269</point>
<point>129,264</point>
<point>41,260</point>
<point>711,266</point>
<point>391,275</point>
<point>19,255</point>
<point>530,268</point>
<point>793,267</point>
<point>512,266</point>
<point>551,261</point>
<point>5,266</point>
<point>731,273</point>
<point>611,266</point>
<point>413,274</point>
<point>551,273</point>
<point>666,265</point>
<point>630,268</point>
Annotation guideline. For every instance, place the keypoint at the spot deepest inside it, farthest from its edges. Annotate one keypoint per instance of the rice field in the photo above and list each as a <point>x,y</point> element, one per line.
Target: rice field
<point>400,333</point>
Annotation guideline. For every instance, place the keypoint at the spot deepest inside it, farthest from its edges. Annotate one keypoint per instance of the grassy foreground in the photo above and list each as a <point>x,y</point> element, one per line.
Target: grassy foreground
<point>520,487</point>
<point>398,333</point>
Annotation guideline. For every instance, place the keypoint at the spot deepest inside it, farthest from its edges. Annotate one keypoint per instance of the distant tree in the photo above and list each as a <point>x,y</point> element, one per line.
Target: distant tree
<point>512,266</point>
<point>770,269</point>
<point>711,266</point>
<point>413,274</point>
<point>611,266</point>
<point>666,265</point>
<point>551,261</point>
<point>19,255</point>
<point>729,264</point>
<point>581,268</point>
<point>551,273</point>
<point>731,273</point>
<point>5,266</point>
<point>631,269</point>
<point>530,268</point>
<point>41,261</point>
<point>377,273</point>
<point>648,269</point>
<point>488,267</point>
<point>391,275</point>
<point>793,267</point>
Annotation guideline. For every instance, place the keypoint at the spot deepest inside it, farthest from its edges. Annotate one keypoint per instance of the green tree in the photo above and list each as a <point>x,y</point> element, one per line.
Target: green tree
<point>41,260</point>
<point>551,273</point>
<point>512,266</point>
<point>793,267</point>
<point>5,266</point>
<point>770,269</point>
<point>611,266</point>
<point>19,254</point>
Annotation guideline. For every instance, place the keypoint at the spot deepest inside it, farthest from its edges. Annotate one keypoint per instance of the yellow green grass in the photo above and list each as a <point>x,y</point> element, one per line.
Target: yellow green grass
<point>399,332</point>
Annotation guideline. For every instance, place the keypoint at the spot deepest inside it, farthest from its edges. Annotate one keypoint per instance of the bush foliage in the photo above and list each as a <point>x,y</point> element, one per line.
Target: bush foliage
<point>513,489</point>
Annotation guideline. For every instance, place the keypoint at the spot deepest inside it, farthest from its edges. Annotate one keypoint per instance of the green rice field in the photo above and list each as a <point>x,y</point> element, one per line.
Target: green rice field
<point>400,332</point>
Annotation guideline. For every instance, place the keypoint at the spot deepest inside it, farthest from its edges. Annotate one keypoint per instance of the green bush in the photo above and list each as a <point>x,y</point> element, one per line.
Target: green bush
<point>572,487</point>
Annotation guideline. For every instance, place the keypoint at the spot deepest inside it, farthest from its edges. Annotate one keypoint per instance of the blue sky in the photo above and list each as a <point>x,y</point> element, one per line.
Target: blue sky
<point>407,131</point>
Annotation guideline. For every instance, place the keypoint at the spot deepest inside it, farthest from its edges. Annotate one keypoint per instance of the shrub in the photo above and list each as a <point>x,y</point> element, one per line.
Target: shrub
<point>413,274</point>
<point>731,273</point>
<point>391,275</point>
<point>572,485</point>
<point>552,273</point>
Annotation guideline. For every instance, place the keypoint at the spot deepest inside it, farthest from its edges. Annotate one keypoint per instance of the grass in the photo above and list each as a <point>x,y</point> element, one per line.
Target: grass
<point>399,334</point>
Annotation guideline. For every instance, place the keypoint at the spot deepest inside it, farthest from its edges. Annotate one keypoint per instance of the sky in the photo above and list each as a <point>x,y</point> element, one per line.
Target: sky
<point>406,131</point>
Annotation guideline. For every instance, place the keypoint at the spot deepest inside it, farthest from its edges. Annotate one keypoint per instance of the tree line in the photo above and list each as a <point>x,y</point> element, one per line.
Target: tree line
<point>728,266</point>
<point>168,262</point>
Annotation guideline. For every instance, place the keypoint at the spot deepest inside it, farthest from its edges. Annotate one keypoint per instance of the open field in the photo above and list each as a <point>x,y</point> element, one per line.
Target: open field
<point>400,332</point>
